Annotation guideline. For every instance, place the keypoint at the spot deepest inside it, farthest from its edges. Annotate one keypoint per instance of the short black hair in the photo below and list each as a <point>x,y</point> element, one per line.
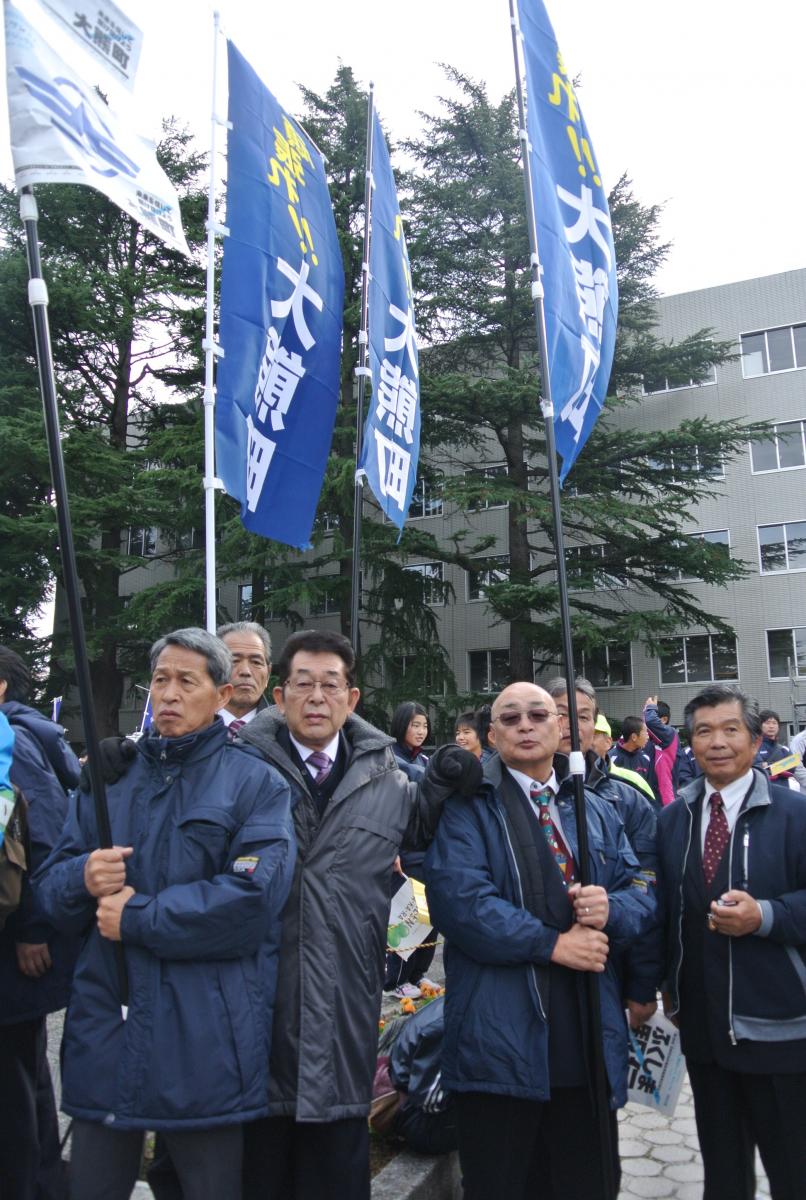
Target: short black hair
<point>768,714</point>
<point>316,641</point>
<point>631,725</point>
<point>402,717</point>
<point>724,693</point>
<point>15,674</point>
<point>468,720</point>
<point>664,710</point>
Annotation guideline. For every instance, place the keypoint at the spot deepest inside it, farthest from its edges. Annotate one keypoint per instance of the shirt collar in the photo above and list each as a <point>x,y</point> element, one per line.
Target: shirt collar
<point>305,752</point>
<point>227,717</point>
<point>525,782</point>
<point>733,794</point>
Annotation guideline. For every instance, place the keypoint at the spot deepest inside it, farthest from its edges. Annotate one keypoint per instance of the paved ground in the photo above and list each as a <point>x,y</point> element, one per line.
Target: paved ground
<point>659,1157</point>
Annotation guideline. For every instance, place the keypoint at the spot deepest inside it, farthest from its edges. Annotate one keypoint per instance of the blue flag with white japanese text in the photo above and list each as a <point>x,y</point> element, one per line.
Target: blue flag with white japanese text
<point>282,287</point>
<point>391,445</point>
<point>574,236</point>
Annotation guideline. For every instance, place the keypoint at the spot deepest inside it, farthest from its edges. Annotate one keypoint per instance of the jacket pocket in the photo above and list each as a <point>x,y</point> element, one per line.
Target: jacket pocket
<point>200,849</point>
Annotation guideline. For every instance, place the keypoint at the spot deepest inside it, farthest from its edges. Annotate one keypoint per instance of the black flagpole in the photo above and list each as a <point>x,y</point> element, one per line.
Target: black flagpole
<point>38,299</point>
<point>362,371</point>
<point>577,761</point>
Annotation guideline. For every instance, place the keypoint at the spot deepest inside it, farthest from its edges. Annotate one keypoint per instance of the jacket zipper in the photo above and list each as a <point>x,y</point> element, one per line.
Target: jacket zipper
<point>523,905</point>
<point>731,1034</point>
<point>676,996</point>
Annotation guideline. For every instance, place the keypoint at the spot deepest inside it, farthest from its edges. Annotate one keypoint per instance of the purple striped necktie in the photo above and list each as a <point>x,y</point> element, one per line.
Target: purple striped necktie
<point>323,764</point>
<point>234,728</point>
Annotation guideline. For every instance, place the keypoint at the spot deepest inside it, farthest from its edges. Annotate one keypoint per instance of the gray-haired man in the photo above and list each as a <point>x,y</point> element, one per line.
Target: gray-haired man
<point>250,647</point>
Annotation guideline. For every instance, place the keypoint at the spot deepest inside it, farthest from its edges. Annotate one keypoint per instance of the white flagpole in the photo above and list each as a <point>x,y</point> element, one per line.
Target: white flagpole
<point>212,350</point>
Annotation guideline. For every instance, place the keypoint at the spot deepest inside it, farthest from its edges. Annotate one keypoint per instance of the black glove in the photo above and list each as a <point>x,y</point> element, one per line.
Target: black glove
<point>456,769</point>
<point>116,755</point>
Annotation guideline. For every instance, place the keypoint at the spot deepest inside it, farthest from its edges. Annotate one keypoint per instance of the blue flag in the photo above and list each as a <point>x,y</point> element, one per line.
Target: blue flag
<point>574,236</point>
<point>282,288</point>
<point>391,443</point>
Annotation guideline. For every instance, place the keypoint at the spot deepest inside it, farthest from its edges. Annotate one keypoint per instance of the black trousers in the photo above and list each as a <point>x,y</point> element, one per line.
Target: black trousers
<point>104,1163</point>
<point>30,1158</point>
<point>527,1150</point>
<point>286,1159</point>
<point>737,1112</point>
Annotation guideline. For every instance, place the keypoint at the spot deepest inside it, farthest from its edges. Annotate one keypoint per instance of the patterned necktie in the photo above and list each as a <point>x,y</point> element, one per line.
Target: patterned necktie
<point>323,764</point>
<point>717,836</point>
<point>542,797</point>
<point>234,728</point>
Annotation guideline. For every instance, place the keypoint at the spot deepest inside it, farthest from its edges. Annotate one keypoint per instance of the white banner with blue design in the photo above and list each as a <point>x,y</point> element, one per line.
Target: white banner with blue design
<point>391,445</point>
<point>62,132</point>
<point>282,288</point>
<point>575,239</point>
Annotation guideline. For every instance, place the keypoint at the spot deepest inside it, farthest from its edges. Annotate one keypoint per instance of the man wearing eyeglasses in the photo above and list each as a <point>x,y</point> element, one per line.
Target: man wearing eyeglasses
<point>502,878</point>
<point>353,810</point>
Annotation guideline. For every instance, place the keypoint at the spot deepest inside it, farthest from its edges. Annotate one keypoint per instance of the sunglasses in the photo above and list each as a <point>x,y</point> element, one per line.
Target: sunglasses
<point>536,716</point>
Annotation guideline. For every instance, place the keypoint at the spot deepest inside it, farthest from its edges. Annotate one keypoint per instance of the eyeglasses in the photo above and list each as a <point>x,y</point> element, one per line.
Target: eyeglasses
<point>536,716</point>
<point>306,687</point>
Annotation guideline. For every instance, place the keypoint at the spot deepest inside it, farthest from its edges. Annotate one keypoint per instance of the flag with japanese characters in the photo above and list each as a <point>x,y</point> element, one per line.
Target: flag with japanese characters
<point>282,287</point>
<point>62,132</point>
<point>574,235</point>
<point>391,443</point>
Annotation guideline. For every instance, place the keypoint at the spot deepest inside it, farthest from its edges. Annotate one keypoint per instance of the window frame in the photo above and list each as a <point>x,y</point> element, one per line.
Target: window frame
<point>418,567</point>
<point>584,672</point>
<point>696,682</point>
<point>485,558</point>
<point>787,570</point>
<point>791,631</point>
<point>489,690</point>
<point>488,471</point>
<point>774,470</point>
<point>764,333</point>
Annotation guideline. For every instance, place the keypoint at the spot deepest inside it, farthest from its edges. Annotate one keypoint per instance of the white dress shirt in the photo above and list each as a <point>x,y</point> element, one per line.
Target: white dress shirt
<point>732,797</point>
<point>305,752</point>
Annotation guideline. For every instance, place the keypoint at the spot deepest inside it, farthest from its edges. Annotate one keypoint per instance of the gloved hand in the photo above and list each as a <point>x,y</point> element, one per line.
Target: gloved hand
<point>456,769</point>
<point>116,755</point>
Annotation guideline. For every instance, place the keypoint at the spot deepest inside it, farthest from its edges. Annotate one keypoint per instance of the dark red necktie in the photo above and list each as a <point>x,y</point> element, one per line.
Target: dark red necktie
<point>234,728</point>
<point>717,836</point>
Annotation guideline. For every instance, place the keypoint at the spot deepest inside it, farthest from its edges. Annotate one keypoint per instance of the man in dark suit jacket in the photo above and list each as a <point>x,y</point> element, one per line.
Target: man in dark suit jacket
<point>732,883</point>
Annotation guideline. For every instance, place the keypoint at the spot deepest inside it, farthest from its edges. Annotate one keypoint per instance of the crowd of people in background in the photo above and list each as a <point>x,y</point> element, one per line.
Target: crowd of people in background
<point>256,848</point>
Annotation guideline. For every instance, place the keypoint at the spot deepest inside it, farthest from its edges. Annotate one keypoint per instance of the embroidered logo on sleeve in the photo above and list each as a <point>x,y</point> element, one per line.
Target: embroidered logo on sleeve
<point>245,865</point>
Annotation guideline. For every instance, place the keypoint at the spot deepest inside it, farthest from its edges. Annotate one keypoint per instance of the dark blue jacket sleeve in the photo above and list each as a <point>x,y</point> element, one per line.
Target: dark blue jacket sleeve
<point>466,904</point>
<point>59,882</point>
<point>664,733</point>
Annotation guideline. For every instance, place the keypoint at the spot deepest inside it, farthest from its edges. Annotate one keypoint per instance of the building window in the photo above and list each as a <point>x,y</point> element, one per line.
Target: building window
<point>786,651</point>
<point>488,670</point>
<point>329,522</point>
<point>494,568</point>
<point>607,666</point>
<point>426,500</point>
<point>782,547</point>
<point>783,453</point>
<point>477,478</point>
<point>674,383</point>
<point>245,602</point>
<point>401,666</point>
<point>688,463</point>
<point>715,537</point>
<point>432,574</point>
<point>584,574</point>
<point>702,658</point>
<point>191,539</point>
<point>770,350</point>
<point>142,542</point>
<point>327,602</point>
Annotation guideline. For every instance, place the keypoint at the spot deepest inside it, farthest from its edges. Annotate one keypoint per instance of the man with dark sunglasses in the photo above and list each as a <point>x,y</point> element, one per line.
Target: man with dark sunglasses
<point>503,884</point>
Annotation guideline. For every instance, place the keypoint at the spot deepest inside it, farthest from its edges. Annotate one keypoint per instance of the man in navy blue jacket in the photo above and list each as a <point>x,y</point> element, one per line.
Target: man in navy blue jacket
<point>35,961</point>
<point>193,887</point>
<point>520,932</point>
<point>732,882</point>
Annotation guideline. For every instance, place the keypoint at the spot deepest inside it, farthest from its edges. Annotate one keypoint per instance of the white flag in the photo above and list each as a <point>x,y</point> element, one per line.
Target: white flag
<point>62,132</point>
<point>104,31</point>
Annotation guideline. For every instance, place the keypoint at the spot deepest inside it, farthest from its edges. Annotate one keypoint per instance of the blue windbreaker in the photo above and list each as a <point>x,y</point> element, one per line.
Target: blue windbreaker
<point>496,1032</point>
<point>212,864</point>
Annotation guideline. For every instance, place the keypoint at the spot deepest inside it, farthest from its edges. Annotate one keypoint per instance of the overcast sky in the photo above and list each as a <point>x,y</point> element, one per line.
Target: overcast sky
<point>700,101</point>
